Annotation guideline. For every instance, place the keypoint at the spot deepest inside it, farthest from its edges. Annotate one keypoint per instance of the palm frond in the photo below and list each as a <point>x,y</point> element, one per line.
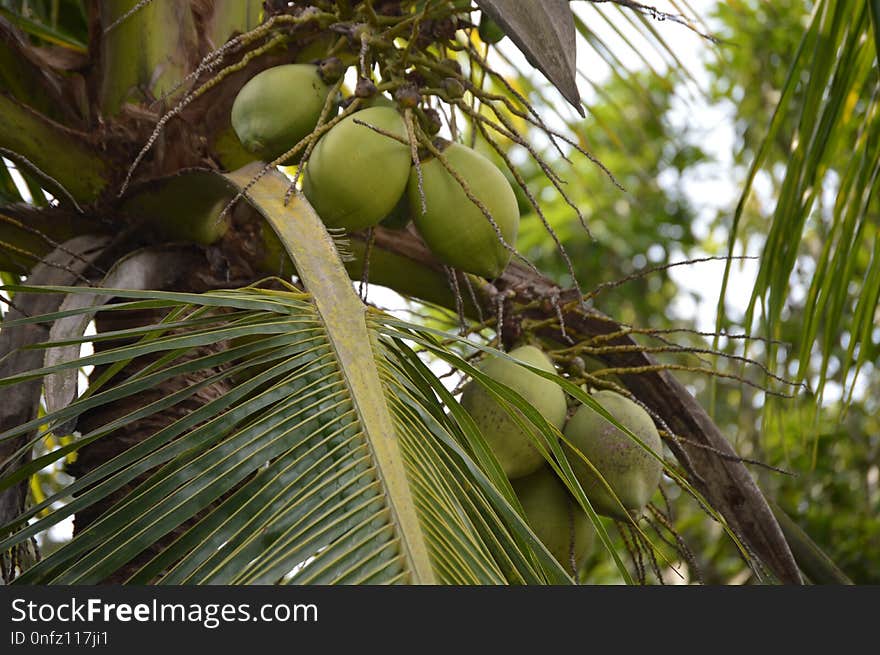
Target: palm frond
<point>277,479</point>
<point>43,30</point>
<point>835,151</point>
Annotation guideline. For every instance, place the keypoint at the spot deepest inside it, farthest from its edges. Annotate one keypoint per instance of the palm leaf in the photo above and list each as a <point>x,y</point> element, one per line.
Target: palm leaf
<point>43,31</point>
<point>341,310</point>
<point>836,149</point>
<point>276,479</point>
<point>545,34</point>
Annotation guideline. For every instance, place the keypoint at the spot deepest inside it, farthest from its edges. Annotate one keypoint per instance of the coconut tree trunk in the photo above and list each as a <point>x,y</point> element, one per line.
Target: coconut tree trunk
<point>133,63</point>
<point>196,274</point>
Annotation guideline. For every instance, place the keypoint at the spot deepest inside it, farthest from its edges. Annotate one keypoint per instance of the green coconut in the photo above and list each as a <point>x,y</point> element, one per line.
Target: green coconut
<point>456,229</point>
<point>510,443</point>
<point>186,207</point>
<point>277,108</point>
<point>632,473</point>
<point>555,517</point>
<point>356,176</point>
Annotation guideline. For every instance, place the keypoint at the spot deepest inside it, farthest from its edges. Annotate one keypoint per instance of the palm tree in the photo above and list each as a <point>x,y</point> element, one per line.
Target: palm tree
<point>248,417</point>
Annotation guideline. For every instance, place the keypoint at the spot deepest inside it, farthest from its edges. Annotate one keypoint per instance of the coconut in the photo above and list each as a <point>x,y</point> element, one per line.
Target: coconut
<point>277,108</point>
<point>631,472</point>
<point>456,229</point>
<point>356,176</point>
<point>555,517</point>
<point>510,443</point>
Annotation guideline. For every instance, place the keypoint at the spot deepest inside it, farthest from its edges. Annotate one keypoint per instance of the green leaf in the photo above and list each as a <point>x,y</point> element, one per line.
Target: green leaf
<point>835,150</point>
<point>875,23</point>
<point>315,257</point>
<point>43,31</point>
<point>277,479</point>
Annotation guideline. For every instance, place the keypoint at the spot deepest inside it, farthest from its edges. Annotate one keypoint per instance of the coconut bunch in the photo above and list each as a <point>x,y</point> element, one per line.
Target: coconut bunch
<point>389,151</point>
<point>374,157</point>
<point>361,172</point>
<point>618,474</point>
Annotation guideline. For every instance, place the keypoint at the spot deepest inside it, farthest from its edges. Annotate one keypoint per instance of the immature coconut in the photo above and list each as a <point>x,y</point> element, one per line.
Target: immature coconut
<point>277,108</point>
<point>186,207</point>
<point>456,229</point>
<point>555,517</point>
<point>631,472</point>
<point>355,175</point>
<point>511,445</point>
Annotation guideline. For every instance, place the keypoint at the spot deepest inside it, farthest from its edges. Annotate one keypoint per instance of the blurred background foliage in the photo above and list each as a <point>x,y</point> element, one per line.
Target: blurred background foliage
<point>830,446</point>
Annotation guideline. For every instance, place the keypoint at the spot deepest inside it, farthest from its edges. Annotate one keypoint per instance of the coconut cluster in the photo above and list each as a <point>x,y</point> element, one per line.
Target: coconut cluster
<point>359,174</point>
<point>361,171</point>
<point>616,473</point>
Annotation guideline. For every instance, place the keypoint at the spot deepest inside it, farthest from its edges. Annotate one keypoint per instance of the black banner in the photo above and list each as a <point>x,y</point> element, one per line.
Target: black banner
<point>412,619</point>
